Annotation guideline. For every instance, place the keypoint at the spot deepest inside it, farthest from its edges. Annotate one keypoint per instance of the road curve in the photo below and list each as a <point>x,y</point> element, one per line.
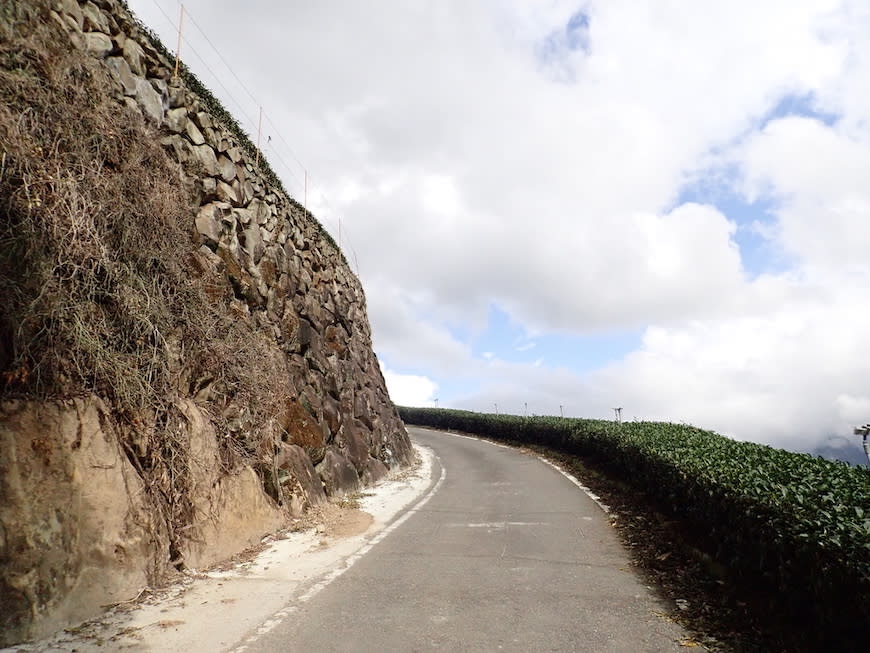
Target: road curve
<point>507,555</point>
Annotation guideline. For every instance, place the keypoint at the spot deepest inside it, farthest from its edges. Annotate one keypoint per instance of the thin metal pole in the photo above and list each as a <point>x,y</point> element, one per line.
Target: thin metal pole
<point>305,202</point>
<point>259,133</point>
<point>178,45</point>
<point>865,431</point>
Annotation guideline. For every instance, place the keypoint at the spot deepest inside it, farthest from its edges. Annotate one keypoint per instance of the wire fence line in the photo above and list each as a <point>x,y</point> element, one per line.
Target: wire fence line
<point>272,144</point>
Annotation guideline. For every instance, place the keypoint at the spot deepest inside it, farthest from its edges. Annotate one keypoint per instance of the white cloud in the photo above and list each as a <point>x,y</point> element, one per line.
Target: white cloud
<point>820,175</point>
<point>469,170</point>
<point>410,389</point>
<point>790,374</point>
<point>404,338</point>
<point>854,410</point>
<point>786,377</point>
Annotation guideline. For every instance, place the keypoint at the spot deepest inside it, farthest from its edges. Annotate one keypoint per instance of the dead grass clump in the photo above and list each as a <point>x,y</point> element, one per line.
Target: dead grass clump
<point>92,239</point>
<point>90,230</point>
<point>98,283</point>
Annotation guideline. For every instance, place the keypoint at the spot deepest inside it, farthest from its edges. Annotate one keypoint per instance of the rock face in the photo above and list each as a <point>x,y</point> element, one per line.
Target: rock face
<point>73,511</point>
<point>97,502</point>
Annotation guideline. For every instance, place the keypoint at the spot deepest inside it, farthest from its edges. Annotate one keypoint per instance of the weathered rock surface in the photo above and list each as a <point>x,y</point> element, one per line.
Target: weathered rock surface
<point>338,473</point>
<point>80,526</point>
<point>77,529</point>
<point>98,44</point>
<point>230,510</point>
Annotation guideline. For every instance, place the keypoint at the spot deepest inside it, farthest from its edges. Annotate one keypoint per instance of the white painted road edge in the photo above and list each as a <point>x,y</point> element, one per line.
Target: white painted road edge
<point>279,616</point>
<point>589,493</point>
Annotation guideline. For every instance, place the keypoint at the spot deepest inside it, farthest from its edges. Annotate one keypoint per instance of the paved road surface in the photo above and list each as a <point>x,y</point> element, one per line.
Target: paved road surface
<point>506,555</point>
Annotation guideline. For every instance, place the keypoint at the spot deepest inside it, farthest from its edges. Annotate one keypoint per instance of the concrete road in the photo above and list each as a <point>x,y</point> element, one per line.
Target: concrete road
<point>506,555</point>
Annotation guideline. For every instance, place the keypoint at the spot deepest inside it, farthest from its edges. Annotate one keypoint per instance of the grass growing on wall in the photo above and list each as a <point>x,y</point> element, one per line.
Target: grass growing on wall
<point>224,117</point>
<point>100,284</point>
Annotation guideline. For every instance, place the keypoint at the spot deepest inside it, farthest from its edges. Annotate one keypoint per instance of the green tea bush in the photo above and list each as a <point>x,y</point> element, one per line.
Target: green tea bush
<point>793,523</point>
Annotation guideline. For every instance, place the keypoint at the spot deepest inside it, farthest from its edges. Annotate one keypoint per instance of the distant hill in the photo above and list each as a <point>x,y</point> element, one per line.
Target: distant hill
<point>849,450</point>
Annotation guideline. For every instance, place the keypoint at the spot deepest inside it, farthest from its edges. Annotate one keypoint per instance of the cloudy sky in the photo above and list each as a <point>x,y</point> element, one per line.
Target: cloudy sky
<point>663,206</point>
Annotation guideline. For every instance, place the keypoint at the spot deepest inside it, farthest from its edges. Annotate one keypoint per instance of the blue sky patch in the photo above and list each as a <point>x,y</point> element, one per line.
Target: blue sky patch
<point>453,389</point>
<point>759,254</point>
<point>576,35</point>
<point>505,339</point>
<point>552,51</point>
<point>719,188</point>
<point>797,105</point>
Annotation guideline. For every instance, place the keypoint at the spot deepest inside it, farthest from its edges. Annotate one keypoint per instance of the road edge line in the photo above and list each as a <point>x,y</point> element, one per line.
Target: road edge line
<point>278,617</point>
<point>589,493</point>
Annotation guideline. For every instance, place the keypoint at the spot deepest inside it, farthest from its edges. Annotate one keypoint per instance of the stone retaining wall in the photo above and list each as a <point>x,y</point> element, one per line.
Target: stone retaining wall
<point>284,274</point>
<point>271,265</point>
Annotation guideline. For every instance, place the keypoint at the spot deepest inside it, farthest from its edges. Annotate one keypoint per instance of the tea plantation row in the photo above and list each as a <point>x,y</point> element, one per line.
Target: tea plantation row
<point>794,523</point>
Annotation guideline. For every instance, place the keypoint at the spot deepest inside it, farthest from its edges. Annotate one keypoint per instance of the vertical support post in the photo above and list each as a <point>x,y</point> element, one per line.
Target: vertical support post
<point>259,134</point>
<point>865,431</point>
<point>496,408</point>
<point>178,45</point>
<point>561,414</point>
<point>305,202</point>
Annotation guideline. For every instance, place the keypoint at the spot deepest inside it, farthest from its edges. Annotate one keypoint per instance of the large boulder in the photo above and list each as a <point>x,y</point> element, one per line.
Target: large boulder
<point>338,474</point>
<point>77,527</point>
<point>297,484</point>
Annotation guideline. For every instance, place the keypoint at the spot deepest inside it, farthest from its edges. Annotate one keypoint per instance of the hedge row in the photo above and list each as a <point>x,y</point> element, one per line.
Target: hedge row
<point>798,524</point>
